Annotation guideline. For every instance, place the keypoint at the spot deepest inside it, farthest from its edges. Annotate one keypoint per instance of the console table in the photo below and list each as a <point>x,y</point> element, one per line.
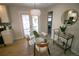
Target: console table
<point>64,38</point>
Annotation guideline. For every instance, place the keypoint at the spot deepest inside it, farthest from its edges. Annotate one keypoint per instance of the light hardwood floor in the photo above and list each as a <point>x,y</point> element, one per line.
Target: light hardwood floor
<point>21,48</point>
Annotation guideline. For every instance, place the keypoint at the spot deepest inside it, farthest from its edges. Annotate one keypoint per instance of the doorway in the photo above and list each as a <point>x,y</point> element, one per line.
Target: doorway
<point>50,18</point>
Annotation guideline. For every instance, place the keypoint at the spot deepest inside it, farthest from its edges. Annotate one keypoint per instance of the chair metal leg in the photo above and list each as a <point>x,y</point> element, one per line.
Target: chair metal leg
<point>34,49</point>
<point>48,50</point>
<point>39,51</point>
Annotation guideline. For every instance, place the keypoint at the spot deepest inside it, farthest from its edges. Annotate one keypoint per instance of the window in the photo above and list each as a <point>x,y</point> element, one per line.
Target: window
<point>35,23</point>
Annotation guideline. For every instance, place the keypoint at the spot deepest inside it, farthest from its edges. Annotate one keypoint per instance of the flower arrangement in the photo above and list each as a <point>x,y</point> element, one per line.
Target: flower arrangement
<point>63,28</point>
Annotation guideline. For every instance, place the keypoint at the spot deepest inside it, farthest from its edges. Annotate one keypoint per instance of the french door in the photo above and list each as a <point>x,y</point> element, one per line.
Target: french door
<point>26,24</point>
<point>29,24</point>
<point>35,23</point>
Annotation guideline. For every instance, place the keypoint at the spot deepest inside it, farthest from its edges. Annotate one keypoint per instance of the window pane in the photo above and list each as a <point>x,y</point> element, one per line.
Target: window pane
<point>26,24</point>
<point>35,22</point>
<point>25,21</point>
<point>26,32</point>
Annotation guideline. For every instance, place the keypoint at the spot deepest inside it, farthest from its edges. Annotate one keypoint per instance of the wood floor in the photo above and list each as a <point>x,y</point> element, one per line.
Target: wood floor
<point>21,48</point>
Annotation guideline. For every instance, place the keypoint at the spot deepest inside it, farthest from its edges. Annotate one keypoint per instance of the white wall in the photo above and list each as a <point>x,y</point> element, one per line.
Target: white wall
<point>43,20</point>
<point>58,10</point>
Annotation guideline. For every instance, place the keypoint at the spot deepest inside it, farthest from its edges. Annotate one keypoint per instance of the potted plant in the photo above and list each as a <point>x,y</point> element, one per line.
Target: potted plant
<point>63,28</point>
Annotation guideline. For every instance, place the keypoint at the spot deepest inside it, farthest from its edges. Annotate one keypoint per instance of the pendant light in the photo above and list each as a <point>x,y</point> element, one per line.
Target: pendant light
<point>35,12</point>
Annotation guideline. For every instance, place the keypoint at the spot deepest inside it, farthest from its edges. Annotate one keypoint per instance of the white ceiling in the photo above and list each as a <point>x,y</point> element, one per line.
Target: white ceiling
<point>31,5</point>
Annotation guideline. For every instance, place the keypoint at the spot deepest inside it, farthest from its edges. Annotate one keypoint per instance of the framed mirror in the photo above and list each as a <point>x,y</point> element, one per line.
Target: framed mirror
<point>69,17</point>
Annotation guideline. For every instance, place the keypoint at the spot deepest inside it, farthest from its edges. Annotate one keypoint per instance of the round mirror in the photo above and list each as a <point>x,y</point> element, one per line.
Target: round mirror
<point>69,17</point>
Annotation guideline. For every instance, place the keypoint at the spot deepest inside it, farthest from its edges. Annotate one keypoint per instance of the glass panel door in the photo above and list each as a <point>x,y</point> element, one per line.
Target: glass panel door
<point>29,25</point>
<point>26,24</point>
<point>35,23</point>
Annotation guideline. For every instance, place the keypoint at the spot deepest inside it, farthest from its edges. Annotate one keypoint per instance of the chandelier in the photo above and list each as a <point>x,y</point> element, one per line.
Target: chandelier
<point>35,12</point>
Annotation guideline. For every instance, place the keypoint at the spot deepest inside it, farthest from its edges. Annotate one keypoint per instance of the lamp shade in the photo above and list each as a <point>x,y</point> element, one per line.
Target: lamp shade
<point>35,12</point>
